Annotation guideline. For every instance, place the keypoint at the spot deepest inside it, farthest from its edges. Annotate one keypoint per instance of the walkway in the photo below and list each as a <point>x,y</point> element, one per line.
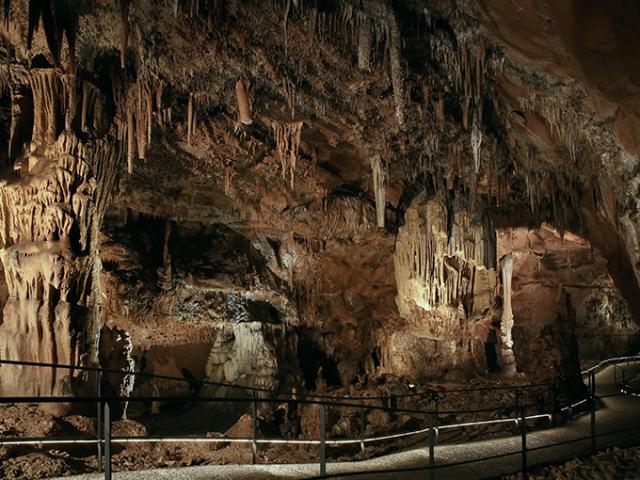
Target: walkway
<point>616,413</point>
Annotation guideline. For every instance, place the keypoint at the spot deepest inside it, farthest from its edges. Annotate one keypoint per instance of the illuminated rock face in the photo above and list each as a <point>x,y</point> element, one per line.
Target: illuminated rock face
<point>561,295</point>
<point>49,231</point>
<point>445,270</point>
<point>347,165</point>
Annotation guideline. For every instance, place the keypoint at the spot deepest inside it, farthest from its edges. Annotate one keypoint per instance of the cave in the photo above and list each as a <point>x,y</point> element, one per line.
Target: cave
<point>223,222</point>
<point>312,359</point>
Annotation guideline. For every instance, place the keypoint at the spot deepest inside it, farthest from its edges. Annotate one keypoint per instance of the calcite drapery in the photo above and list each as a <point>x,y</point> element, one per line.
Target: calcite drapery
<point>49,227</point>
<point>442,258</point>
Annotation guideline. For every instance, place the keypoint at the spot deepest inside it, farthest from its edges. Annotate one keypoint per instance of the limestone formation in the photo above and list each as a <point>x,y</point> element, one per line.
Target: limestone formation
<point>346,196</point>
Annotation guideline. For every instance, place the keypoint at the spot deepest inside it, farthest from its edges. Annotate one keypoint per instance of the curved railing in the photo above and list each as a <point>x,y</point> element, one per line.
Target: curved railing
<point>521,420</point>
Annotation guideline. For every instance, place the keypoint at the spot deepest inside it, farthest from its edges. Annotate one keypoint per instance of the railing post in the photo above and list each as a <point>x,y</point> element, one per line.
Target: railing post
<point>593,424</point>
<point>593,383</point>
<point>523,432</point>
<point>107,442</point>
<point>99,421</point>
<point>432,446</point>
<point>254,443</point>
<point>363,427</point>
<point>323,440</point>
<point>554,400</point>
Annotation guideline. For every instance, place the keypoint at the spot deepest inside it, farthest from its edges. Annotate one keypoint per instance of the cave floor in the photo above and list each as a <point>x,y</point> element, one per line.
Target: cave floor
<point>616,413</point>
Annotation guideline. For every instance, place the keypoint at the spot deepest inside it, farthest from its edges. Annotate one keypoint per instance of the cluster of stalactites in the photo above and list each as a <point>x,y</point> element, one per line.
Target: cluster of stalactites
<point>52,218</point>
<point>60,101</point>
<point>287,137</point>
<point>46,86</point>
<point>468,64</point>
<point>437,256</point>
<point>136,110</point>
<point>369,33</point>
<point>59,19</point>
<point>561,117</point>
<point>379,187</point>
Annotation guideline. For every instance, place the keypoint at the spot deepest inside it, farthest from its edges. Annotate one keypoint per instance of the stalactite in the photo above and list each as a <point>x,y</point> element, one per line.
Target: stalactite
<point>465,60</point>
<point>441,258</point>
<point>131,146</point>
<point>290,94</point>
<point>17,130</point>
<point>190,119</point>
<point>70,102</point>
<point>84,107</point>
<point>365,41</point>
<point>124,31</point>
<point>379,187</point>
<point>229,173</point>
<point>560,115</point>
<point>287,9</point>
<point>59,20</point>
<point>287,137</point>
<point>134,117</point>
<point>476,144</point>
<point>47,88</point>
<point>6,10</point>
<point>397,72</point>
<point>49,240</point>
<point>160,113</point>
<point>244,106</point>
<point>439,109</point>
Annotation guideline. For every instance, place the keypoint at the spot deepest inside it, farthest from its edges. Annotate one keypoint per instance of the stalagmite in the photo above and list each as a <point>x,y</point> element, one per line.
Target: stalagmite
<point>506,324</point>
<point>507,314</point>
<point>379,187</point>
<point>244,106</point>
<point>287,137</point>
<point>164,273</point>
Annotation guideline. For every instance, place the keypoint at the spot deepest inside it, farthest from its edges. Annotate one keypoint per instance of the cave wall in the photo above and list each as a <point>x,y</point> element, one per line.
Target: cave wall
<point>52,208</point>
<point>445,270</point>
<point>332,171</point>
<point>566,308</point>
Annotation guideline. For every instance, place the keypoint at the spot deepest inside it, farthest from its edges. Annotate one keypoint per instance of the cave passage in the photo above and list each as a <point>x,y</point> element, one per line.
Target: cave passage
<point>312,359</point>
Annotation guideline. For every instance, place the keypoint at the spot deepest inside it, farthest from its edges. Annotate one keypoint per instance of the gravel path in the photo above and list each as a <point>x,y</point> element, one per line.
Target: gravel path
<point>615,413</point>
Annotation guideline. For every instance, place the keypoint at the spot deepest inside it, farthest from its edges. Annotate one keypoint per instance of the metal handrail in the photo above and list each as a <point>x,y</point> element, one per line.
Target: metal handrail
<point>521,420</point>
<point>266,390</point>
